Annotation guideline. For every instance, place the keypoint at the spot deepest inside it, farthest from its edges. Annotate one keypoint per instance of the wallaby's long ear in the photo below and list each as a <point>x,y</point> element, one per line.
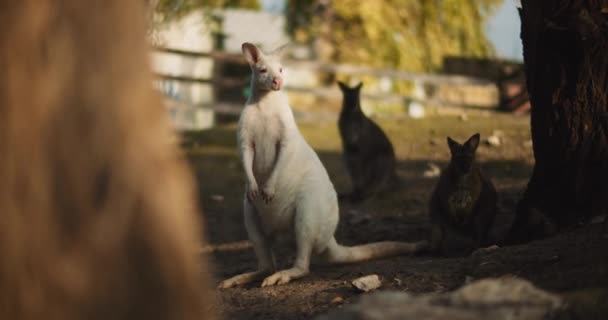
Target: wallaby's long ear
<point>454,146</point>
<point>281,51</point>
<point>473,142</point>
<point>359,86</point>
<point>343,86</point>
<point>252,54</point>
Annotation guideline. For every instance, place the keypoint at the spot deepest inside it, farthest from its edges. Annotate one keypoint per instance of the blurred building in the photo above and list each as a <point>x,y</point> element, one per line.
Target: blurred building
<point>191,103</point>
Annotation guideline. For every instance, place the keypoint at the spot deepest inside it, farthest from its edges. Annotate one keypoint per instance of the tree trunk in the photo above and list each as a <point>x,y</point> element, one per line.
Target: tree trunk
<point>565,46</point>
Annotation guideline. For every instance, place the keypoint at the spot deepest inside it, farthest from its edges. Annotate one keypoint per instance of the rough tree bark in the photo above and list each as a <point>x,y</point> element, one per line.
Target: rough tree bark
<point>566,63</point>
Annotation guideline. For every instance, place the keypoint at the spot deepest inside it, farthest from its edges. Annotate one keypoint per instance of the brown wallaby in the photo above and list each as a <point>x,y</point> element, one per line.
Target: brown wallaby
<point>464,200</point>
<point>367,151</point>
<point>98,215</point>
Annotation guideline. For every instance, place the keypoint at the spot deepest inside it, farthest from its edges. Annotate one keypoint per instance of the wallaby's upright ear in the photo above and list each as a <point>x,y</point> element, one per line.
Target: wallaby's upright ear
<point>252,54</point>
<point>359,86</point>
<point>281,51</point>
<point>454,146</point>
<point>473,142</point>
<point>343,86</point>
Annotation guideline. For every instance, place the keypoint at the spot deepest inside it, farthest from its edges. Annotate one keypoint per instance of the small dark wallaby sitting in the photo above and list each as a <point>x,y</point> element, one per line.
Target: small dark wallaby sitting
<point>368,154</point>
<point>464,200</point>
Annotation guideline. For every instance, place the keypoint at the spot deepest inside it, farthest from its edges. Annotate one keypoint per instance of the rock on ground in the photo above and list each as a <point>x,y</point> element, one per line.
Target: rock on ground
<point>501,298</point>
<point>367,283</point>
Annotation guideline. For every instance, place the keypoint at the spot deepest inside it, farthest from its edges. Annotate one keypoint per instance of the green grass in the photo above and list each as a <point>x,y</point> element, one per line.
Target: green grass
<point>214,157</point>
<point>412,139</point>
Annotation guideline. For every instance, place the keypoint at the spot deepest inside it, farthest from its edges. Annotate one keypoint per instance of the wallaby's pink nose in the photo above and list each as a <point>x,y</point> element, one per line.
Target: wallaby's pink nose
<point>276,83</point>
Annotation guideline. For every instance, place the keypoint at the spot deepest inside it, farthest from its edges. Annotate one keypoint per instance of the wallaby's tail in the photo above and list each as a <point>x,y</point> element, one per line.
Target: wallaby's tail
<point>338,254</point>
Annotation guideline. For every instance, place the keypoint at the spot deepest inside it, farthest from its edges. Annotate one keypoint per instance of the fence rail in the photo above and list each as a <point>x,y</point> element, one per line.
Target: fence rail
<point>346,69</point>
<point>223,82</point>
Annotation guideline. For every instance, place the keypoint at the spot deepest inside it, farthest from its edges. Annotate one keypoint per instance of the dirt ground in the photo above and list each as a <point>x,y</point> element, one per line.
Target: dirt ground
<point>573,264</point>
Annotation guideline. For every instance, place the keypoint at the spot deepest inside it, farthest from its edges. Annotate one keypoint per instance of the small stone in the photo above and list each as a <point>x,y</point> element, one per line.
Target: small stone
<point>464,117</point>
<point>432,171</point>
<point>398,281</point>
<point>367,283</point>
<point>494,141</point>
<point>217,197</point>
<point>416,110</point>
<point>337,300</point>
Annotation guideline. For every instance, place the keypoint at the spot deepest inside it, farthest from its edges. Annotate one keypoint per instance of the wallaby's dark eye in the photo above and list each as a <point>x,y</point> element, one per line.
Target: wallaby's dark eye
<point>281,70</point>
<point>263,70</point>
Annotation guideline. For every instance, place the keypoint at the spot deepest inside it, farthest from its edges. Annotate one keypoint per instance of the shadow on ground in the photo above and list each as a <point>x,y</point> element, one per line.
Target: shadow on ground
<point>574,263</point>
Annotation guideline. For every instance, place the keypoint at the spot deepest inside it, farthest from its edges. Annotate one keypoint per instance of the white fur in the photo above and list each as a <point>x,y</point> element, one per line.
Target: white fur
<point>288,189</point>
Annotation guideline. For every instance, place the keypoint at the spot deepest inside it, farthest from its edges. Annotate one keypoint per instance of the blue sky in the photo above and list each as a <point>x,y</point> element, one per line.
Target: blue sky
<point>273,5</point>
<point>502,29</point>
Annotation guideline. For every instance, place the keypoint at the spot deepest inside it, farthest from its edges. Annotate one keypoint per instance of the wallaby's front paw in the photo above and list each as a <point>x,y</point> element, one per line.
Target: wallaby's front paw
<point>268,194</point>
<point>278,278</point>
<point>252,192</point>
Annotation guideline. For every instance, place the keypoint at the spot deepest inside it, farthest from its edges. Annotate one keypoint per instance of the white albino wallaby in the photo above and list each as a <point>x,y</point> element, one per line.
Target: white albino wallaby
<point>288,189</point>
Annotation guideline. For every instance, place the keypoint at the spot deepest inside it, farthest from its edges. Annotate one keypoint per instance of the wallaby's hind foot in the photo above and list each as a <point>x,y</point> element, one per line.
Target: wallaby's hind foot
<point>244,278</point>
<point>285,276</point>
<point>261,247</point>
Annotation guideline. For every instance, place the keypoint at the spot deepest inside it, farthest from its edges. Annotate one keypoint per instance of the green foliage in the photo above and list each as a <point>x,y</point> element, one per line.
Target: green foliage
<point>170,9</point>
<point>411,35</point>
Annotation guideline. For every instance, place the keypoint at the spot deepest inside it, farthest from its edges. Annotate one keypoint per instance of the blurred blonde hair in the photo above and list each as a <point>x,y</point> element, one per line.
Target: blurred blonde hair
<point>97,211</point>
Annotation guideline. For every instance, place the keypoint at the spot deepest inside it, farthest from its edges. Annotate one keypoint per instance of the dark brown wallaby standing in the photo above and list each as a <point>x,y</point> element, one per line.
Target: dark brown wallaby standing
<point>368,153</point>
<point>464,200</point>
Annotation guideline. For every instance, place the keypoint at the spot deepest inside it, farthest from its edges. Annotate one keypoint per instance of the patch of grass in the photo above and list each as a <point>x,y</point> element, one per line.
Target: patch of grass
<point>426,138</point>
<point>214,157</point>
<point>412,139</point>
